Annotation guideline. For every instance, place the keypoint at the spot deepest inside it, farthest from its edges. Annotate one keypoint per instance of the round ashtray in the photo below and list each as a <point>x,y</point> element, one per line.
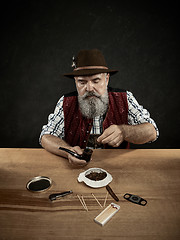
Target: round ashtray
<point>95,177</point>
<point>39,184</point>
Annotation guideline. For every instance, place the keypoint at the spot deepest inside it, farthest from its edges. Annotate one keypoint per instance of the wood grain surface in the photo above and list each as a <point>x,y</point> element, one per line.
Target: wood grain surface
<point>151,174</point>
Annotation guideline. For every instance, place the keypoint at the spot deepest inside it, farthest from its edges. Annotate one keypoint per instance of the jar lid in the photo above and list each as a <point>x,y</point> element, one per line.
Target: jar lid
<point>39,184</point>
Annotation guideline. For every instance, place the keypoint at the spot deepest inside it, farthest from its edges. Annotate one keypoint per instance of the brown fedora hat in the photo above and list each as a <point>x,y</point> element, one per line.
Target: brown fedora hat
<point>89,62</point>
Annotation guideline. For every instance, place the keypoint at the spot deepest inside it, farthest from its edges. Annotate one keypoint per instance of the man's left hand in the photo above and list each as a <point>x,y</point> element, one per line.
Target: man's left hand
<point>112,136</point>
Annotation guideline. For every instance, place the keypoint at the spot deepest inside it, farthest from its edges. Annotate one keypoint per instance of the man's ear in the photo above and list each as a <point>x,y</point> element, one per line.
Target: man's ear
<point>75,80</point>
<point>107,78</point>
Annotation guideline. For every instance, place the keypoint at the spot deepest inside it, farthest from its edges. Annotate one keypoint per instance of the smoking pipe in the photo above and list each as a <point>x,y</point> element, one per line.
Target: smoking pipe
<point>87,153</point>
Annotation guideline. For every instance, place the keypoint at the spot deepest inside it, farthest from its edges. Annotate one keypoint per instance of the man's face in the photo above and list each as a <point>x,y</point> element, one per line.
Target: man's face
<point>92,94</point>
<point>95,83</point>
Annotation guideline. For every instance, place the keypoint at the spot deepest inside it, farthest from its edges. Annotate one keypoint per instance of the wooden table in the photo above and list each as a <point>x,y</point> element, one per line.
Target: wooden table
<point>151,174</point>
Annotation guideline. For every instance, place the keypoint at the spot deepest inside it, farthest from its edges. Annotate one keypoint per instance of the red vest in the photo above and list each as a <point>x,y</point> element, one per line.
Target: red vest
<point>77,127</point>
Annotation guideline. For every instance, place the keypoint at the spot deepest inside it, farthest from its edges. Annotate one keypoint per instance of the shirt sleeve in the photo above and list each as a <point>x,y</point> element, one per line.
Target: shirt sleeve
<point>55,125</point>
<point>137,114</point>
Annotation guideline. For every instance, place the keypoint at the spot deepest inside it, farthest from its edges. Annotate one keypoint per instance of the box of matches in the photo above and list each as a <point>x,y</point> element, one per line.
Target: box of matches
<point>107,214</point>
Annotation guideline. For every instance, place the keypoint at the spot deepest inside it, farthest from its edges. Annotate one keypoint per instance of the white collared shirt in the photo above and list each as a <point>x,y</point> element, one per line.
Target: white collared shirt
<point>136,115</point>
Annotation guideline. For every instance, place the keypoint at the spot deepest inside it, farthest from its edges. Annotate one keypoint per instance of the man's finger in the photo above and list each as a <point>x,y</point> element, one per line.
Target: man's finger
<point>76,161</point>
<point>77,149</point>
<point>106,134</point>
<point>115,141</point>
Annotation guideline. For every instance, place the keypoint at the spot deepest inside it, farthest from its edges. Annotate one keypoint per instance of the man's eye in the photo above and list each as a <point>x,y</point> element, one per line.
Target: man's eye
<point>96,81</point>
<point>82,82</point>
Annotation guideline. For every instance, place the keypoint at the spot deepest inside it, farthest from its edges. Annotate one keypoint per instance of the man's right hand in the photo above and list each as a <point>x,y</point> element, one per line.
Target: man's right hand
<point>75,161</point>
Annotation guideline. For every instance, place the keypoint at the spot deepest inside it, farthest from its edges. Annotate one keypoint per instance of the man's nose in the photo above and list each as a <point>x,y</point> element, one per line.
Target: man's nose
<point>90,86</point>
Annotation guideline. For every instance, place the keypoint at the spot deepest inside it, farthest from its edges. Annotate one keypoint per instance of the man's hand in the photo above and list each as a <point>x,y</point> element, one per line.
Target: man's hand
<point>52,143</point>
<point>74,160</point>
<point>136,134</point>
<point>112,136</point>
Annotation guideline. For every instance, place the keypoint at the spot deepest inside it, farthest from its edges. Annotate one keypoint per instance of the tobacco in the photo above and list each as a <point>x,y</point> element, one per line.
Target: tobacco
<point>96,176</point>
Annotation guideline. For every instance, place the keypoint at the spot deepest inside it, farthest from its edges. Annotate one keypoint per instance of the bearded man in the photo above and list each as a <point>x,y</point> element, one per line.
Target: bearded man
<point>95,116</point>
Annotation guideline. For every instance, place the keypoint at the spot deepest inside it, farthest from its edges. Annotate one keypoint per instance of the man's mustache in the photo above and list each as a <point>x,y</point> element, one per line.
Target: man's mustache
<point>91,94</point>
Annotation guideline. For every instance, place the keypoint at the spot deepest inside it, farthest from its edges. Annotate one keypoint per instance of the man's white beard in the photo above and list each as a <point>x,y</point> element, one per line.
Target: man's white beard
<point>93,106</point>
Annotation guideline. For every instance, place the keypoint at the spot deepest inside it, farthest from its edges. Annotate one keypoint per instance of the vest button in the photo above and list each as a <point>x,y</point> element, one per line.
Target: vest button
<point>84,141</point>
<point>87,131</point>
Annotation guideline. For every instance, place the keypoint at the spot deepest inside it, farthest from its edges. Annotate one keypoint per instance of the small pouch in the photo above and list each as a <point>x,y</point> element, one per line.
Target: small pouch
<point>92,142</point>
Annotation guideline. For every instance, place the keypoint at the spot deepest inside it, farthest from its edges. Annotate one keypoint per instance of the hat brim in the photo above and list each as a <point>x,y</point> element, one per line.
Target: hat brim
<point>87,72</point>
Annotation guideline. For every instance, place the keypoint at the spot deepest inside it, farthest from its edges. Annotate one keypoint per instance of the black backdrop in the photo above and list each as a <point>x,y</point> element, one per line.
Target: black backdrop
<point>39,38</point>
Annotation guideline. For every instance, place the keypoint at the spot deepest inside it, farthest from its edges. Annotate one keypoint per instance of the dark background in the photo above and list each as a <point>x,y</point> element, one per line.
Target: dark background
<point>39,38</point>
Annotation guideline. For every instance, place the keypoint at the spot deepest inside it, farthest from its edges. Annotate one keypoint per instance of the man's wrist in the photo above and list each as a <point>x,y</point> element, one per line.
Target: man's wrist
<point>124,131</point>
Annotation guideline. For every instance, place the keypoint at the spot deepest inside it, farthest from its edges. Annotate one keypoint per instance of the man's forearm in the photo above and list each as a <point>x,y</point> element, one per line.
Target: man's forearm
<point>139,134</point>
<point>52,143</point>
